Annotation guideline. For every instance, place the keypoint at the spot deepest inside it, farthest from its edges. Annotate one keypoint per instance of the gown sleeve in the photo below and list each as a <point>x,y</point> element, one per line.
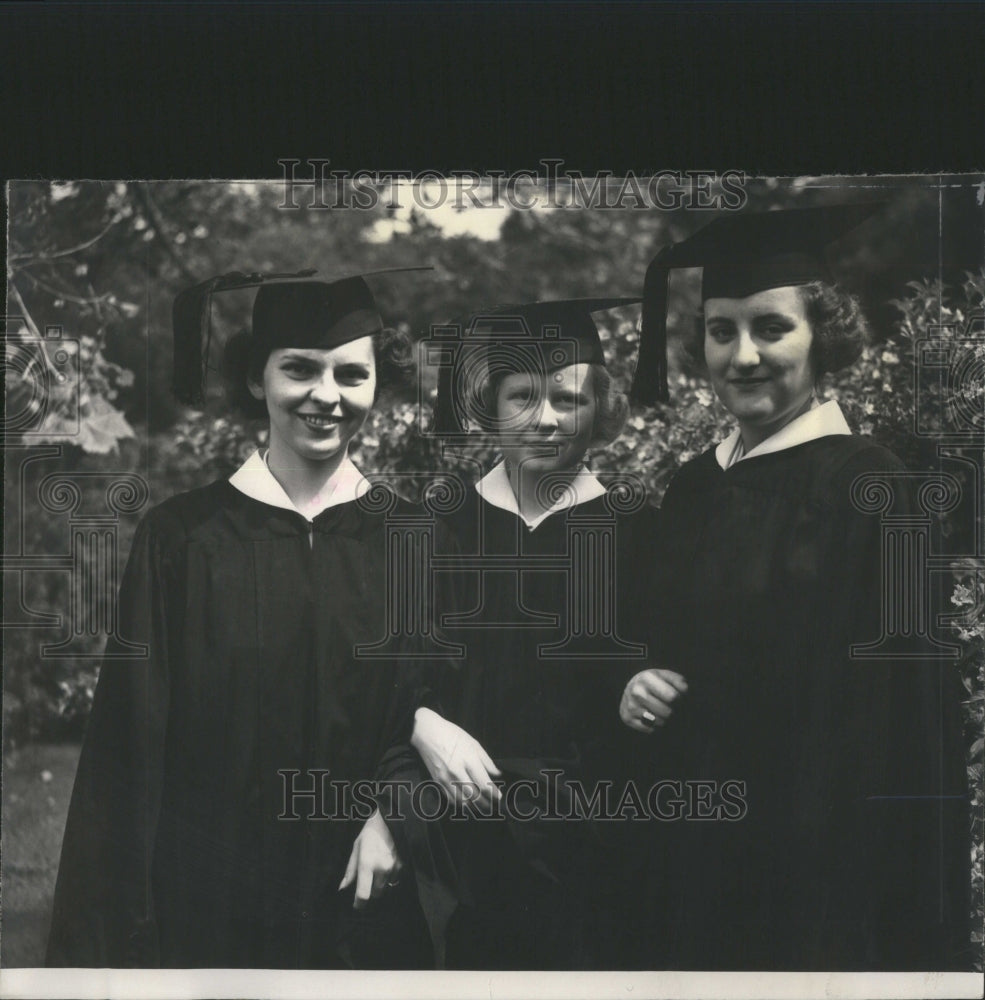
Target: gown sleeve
<point>853,854</point>
<point>899,791</point>
<point>614,749</point>
<point>407,796</point>
<point>103,913</point>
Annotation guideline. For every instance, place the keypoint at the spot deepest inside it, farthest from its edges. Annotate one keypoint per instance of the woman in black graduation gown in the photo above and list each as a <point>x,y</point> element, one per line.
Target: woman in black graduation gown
<point>191,841</point>
<point>849,848</point>
<point>543,549</point>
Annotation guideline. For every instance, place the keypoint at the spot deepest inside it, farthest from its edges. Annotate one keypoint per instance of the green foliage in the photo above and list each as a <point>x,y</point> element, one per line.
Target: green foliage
<point>46,697</point>
<point>64,320</point>
<point>969,598</point>
<point>201,448</point>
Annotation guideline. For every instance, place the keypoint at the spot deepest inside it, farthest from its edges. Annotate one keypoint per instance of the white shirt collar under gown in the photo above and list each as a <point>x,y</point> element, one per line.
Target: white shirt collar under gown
<point>254,479</point>
<point>820,421</point>
<point>495,488</point>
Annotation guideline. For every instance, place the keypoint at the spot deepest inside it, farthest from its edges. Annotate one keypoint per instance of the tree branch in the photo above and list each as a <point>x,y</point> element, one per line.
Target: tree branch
<point>33,327</point>
<point>71,250</point>
<point>67,296</point>
<point>157,223</point>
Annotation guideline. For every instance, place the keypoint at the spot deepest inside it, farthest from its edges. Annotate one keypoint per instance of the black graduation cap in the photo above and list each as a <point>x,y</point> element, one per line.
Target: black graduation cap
<point>290,310</point>
<point>538,336</point>
<point>741,254</point>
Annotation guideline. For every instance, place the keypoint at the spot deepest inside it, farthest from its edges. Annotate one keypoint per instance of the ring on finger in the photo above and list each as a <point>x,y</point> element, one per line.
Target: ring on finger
<point>648,717</point>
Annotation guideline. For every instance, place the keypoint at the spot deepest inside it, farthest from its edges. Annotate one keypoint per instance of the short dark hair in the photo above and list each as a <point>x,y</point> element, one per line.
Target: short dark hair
<point>838,326</point>
<point>244,360</point>
<point>611,405</point>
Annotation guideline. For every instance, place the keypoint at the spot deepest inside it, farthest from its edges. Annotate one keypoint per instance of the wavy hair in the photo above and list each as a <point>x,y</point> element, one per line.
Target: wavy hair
<point>838,326</point>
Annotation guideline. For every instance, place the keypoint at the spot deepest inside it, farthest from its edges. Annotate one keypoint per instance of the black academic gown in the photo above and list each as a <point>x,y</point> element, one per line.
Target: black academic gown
<point>179,850</point>
<point>541,697</point>
<point>851,851</point>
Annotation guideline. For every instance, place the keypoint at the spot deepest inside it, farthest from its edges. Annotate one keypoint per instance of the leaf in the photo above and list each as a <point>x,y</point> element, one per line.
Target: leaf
<point>102,428</point>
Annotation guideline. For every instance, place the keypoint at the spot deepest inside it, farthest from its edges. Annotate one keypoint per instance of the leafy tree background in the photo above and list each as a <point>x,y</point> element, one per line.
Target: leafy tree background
<point>103,261</point>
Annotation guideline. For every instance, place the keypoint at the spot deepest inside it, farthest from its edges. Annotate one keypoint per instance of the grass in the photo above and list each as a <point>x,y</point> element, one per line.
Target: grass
<point>37,784</point>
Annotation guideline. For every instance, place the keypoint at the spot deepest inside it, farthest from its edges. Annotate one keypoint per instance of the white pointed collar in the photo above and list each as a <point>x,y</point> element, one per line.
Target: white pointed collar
<point>254,479</point>
<point>821,420</point>
<point>495,488</point>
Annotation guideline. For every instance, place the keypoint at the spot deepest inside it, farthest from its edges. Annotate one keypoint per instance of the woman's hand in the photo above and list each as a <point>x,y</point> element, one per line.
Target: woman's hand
<point>647,701</point>
<point>455,760</point>
<point>373,864</point>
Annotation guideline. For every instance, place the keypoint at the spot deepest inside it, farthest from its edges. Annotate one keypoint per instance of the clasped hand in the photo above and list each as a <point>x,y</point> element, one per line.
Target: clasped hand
<point>455,760</point>
<point>648,699</point>
<point>373,864</point>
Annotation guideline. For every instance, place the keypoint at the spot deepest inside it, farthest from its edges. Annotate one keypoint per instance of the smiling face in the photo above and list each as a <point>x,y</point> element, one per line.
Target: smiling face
<point>317,399</point>
<point>758,352</point>
<point>547,421</point>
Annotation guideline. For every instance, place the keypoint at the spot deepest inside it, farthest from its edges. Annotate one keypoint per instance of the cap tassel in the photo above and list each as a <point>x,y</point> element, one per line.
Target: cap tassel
<point>191,322</point>
<point>192,326</point>
<point>443,417</point>
<point>650,379</point>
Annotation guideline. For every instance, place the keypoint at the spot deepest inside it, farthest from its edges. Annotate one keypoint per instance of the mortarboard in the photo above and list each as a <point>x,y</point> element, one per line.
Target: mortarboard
<point>740,254</point>
<point>290,310</point>
<point>536,336</point>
